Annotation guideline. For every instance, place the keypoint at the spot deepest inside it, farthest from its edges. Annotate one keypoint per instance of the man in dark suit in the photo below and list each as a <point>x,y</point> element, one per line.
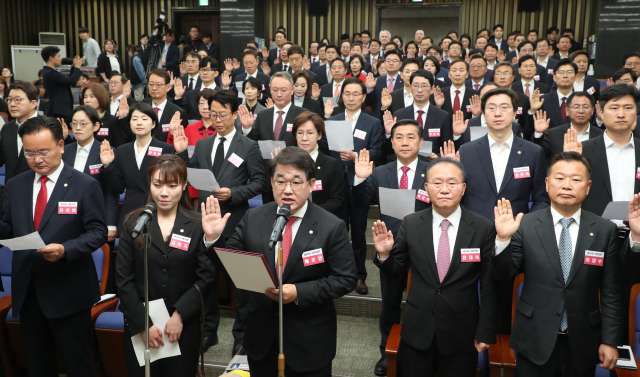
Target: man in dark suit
<point>514,53</point>
<point>504,75</point>
<point>24,99</point>
<point>614,157</point>
<point>367,134</point>
<point>319,60</point>
<point>528,81</point>
<point>212,49</point>
<point>579,110</point>
<point>295,54</point>
<point>159,83</point>
<point>544,60</point>
<point>554,102</point>
<point>309,286</point>
<point>528,48</point>
<point>564,47</point>
<point>478,73</point>
<point>169,52</point>
<point>57,85</point>
<point>192,80</point>
<point>400,97</point>
<point>276,53</point>
<point>498,34</point>
<point>250,62</point>
<point>391,80</point>
<point>570,314</point>
<point>408,172</point>
<point>117,81</point>
<point>55,287</point>
<point>324,70</point>
<point>583,82</point>
<point>283,65</point>
<point>457,96</point>
<point>449,251</point>
<point>334,87</point>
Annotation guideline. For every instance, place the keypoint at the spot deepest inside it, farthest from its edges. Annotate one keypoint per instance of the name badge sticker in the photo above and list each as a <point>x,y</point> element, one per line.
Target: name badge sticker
<point>180,242</point>
<point>423,196</point>
<point>289,127</point>
<point>521,172</point>
<point>103,132</point>
<point>519,111</point>
<point>318,185</point>
<point>536,77</point>
<point>166,127</point>
<point>95,169</point>
<point>638,173</point>
<point>67,208</point>
<point>311,257</point>
<point>434,132</point>
<point>468,108</point>
<point>591,90</point>
<point>470,255</point>
<point>360,134</point>
<point>235,160</point>
<point>154,151</point>
<point>594,258</point>
<point>549,71</point>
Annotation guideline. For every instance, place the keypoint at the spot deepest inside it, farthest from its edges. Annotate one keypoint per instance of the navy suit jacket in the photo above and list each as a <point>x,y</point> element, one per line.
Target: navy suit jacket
<point>552,107</point>
<point>321,73</point>
<point>373,98</point>
<point>448,105</point>
<point>436,119</point>
<point>443,76</point>
<point>591,86</point>
<point>111,198</point>
<point>541,72</point>
<point>482,194</point>
<point>173,55</point>
<point>488,77</point>
<point>70,284</point>
<point>517,86</point>
<point>549,69</point>
<point>372,141</point>
<point>58,87</point>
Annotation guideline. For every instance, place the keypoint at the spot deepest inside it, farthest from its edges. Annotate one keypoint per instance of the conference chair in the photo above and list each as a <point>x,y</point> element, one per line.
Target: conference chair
<point>6,256</point>
<point>109,337</point>
<point>634,331</point>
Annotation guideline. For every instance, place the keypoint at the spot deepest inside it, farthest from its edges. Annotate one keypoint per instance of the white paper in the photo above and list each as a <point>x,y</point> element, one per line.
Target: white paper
<point>160,316</point>
<point>248,272</point>
<point>202,179</point>
<point>31,241</point>
<point>239,87</point>
<point>427,149</point>
<point>334,101</point>
<point>477,132</point>
<point>106,297</point>
<point>190,150</point>
<point>396,202</point>
<point>239,362</point>
<point>267,147</point>
<point>624,364</point>
<point>617,211</point>
<point>339,135</point>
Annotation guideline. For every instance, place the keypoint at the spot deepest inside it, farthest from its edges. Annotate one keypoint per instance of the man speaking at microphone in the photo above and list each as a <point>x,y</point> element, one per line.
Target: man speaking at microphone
<point>318,267</point>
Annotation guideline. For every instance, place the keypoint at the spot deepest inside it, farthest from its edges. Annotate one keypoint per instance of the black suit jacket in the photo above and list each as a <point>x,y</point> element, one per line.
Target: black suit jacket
<point>111,198</point>
<point>123,174</point>
<point>273,56</point>
<point>592,295</point>
<point>436,119</point>
<point>600,194</point>
<point>446,312</point>
<point>213,50</point>
<point>130,101</point>
<point>10,156</point>
<point>104,65</point>
<point>313,106</point>
<point>58,87</point>
<point>552,140</point>
<point>310,328</point>
<point>321,73</point>
<point>70,284</point>
<point>169,109</point>
<point>373,98</point>
<point>448,105</point>
<point>185,82</point>
<point>263,125</point>
<point>591,86</point>
<point>483,194</point>
<point>329,191</point>
<point>245,181</point>
<point>541,72</point>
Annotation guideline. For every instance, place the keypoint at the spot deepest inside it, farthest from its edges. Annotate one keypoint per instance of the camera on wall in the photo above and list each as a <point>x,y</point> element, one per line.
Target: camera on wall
<point>161,22</point>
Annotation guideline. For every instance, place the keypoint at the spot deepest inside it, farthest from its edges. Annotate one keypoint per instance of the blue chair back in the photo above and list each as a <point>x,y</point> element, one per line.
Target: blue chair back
<point>256,201</point>
<point>6,258</point>
<point>98,260</point>
<point>636,341</point>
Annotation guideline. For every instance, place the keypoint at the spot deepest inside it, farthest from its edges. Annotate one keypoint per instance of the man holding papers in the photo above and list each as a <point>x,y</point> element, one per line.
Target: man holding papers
<point>309,286</point>
<point>407,173</point>
<point>54,288</point>
<point>449,250</point>
<point>367,134</point>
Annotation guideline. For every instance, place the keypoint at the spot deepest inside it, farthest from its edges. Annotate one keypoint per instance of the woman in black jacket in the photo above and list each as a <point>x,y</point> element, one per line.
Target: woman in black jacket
<point>302,92</point>
<point>180,274</point>
<point>109,61</point>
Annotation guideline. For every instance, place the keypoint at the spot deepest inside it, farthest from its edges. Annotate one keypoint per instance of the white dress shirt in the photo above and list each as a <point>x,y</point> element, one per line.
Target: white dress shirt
<point>408,97</point>
<point>578,85</point>
<point>298,101</point>
<point>51,183</point>
<point>424,115</point>
<point>195,80</point>
<point>452,231</point>
<point>227,143</point>
<point>560,95</point>
<point>314,155</point>
<point>160,108</point>
<point>491,65</point>
<point>411,173</point>
<point>82,153</point>
<point>115,66</point>
<point>622,168</point>
<point>582,136</point>
<point>473,85</point>
<point>355,119</point>
<point>275,116</point>
<point>543,62</point>
<point>115,103</point>
<point>453,95</point>
<point>329,76</point>
<point>140,156</point>
<point>532,87</point>
<point>500,158</point>
<point>35,114</point>
<point>212,86</point>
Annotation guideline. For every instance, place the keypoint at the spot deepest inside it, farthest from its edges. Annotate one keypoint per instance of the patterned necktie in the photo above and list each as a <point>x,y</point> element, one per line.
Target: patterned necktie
<point>566,257</point>
<point>404,180</point>
<point>526,91</point>
<point>444,252</point>
<point>287,239</point>
<point>278,129</point>
<point>391,84</point>
<point>41,202</point>
<point>420,122</point>
<point>456,103</point>
<point>563,109</point>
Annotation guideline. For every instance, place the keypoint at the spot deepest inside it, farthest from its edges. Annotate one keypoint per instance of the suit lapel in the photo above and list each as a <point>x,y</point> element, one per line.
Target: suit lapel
<point>93,158</point>
<point>266,228</point>
<point>146,161</point>
<point>156,235</point>
<point>484,155</point>
<point>463,240</point>
<point>132,164</point>
<point>586,235</point>
<point>426,237</point>
<point>306,232</point>
<point>270,115</point>
<point>27,199</point>
<point>514,160</point>
<point>392,177</point>
<point>601,155</point>
<point>60,188</point>
<point>419,177</point>
<point>548,239</point>
<point>181,227</point>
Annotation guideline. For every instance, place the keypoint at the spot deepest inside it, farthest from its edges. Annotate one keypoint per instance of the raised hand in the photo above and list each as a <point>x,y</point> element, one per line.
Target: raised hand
<point>459,124</point>
<point>213,222</point>
<point>328,108</point>
<point>236,63</point>
<point>599,113</point>
<point>541,123</point>
<point>269,103</point>
<point>382,239</point>
<point>183,68</point>
<point>438,96</point>
<point>476,108</point>
<point>226,79</point>
<point>610,81</point>
<point>180,140</point>
<point>278,150</point>
<point>178,88</point>
<point>571,143</point>
<point>126,91</point>
<point>536,101</point>
<point>374,65</point>
<point>370,82</point>
<point>171,78</point>
<point>65,128</point>
<point>363,166</point>
<point>276,61</point>
<point>265,52</point>
<point>246,118</point>
<point>266,69</point>
<point>506,224</point>
<point>123,109</point>
<point>106,154</point>
<point>389,121</point>
<point>634,217</point>
<point>449,150</point>
<point>315,91</point>
<point>228,65</point>
<point>501,55</point>
<point>77,61</point>
<point>386,99</point>
<point>514,60</point>
<point>306,64</point>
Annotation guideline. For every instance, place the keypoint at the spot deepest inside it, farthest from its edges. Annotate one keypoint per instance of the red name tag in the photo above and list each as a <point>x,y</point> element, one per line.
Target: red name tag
<point>360,134</point>
<point>67,208</point>
<point>103,132</point>
<point>423,196</point>
<point>468,108</point>
<point>519,111</point>
<point>591,90</point>
<point>549,71</point>
<point>95,169</point>
<point>311,257</point>
<point>536,77</point>
<point>318,185</point>
<point>521,172</point>
<point>289,127</point>
<point>166,127</point>
<point>470,255</point>
<point>155,152</point>
<point>638,173</point>
<point>180,242</point>
<point>594,258</point>
<point>434,132</point>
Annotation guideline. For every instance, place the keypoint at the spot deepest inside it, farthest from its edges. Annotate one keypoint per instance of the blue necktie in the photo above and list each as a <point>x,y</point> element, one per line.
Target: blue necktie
<point>566,257</point>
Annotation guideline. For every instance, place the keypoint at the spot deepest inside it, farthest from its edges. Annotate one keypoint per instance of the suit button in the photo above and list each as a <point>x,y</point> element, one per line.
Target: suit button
<point>164,257</point>
<point>165,299</point>
<point>438,291</point>
<point>434,311</point>
<point>164,271</point>
<point>164,287</point>
<point>557,314</point>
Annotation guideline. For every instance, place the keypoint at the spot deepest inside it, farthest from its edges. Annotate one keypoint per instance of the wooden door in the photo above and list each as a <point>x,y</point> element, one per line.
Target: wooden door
<point>205,21</point>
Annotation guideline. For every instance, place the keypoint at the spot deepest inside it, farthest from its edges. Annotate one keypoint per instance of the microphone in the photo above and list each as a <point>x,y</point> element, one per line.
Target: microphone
<point>278,226</point>
<point>143,220</point>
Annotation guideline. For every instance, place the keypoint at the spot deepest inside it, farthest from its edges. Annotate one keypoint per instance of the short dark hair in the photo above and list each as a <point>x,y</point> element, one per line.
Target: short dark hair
<point>226,97</point>
<point>456,43</point>
<point>552,29</point>
<point>49,52</point>
<point>434,61</point>
<point>353,80</point>
<point>208,60</point>
<point>367,32</point>
<point>322,45</point>
<point>82,29</point>
<point>392,44</point>
<point>162,73</point>
<point>333,47</point>
<point>308,116</point>
<point>376,41</point>
<point>92,113</point>
<point>569,157</point>
<point>564,61</point>
<point>623,71</point>
<point>304,74</point>
<point>446,160</point>
<point>170,31</point>
<point>253,53</point>
<point>194,27</point>
<point>540,40</point>
<point>533,31</point>
<point>338,60</point>
<point>344,37</point>
<point>146,110</point>
<point>297,157</point>
<point>392,52</point>
<point>630,55</point>
<point>28,88</point>
<point>475,51</point>
<point>407,122</point>
<point>206,34</point>
<point>568,30</point>
<point>577,53</point>
<point>143,36</point>
<point>476,57</point>
<point>295,49</point>
<point>281,32</point>
<point>481,30</point>
<point>487,84</point>
<point>581,94</point>
<point>564,36</point>
<point>617,91</point>
<point>424,74</point>
<point>254,83</point>
<point>40,123</point>
<point>253,43</point>
<point>123,77</point>
<point>410,61</point>
<point>454,32</point>
<point>498,26</point>
<point>438,49</point>
<point>492,45</point>
<point>207,94</point>
<point>525,42</point>
<point>504,64</point>
<point>498,91</point>
<point>524,58</point>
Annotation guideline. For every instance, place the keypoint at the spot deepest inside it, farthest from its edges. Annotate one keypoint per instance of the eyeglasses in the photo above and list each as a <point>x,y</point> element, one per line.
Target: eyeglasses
<point>156,85</point>
<point>631,64</point>
<point>281,184</point>
<point>502,108</point>
<point>114,83</point>
<point>578,107</point>
<point>502,74</point>
<point>392,61</point>
<point>352,95</point>
<point>207,70</point>
<point>17,100</point>
<point>450,185</point>
<point>80,125</point>
<point>308,133</point>
<point>222,117</point>
<point>569,72</point>
<point>42,154</point>
<point>418,87</point>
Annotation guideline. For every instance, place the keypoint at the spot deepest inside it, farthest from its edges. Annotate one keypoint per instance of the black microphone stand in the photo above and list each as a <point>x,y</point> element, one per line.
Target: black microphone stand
<point>147,353</point>
<point>280,314</point>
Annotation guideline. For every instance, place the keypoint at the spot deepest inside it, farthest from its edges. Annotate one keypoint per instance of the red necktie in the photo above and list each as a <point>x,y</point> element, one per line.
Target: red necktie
<point>420,122</point>
<point>404,180</point>
<point>287,239</point>
<point>157,109</point>
<point>563,109</point>
<point>390,85</point>
<point>278,129</point>
<point>526,91</point>
<point>278,54</point>
<point>477,85</point>
<point>41,202</point>
<point>456,103</point>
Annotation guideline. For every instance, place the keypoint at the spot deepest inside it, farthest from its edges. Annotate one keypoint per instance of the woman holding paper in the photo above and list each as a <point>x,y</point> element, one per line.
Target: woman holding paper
<point>125,169</point>
<point>179,272</point>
